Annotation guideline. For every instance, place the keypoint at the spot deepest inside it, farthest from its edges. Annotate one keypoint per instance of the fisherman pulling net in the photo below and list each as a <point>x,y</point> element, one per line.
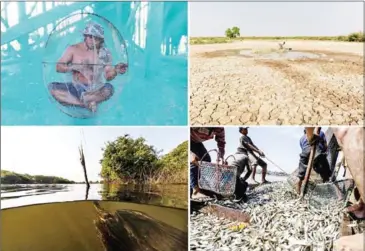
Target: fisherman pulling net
<point>287,219</point>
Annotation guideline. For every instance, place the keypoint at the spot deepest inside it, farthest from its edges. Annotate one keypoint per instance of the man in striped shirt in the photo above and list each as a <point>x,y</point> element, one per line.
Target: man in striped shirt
<point>199,153</point>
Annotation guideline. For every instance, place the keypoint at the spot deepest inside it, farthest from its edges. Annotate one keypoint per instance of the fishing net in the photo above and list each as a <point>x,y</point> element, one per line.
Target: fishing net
<point>313,180</point>
<point>328,193</point>
<point>218,178</point>
<point>87,69</point>
<point>321,194</point>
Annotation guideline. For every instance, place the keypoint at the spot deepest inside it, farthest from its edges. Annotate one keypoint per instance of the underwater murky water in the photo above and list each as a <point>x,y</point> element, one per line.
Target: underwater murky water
<point>113,217</point>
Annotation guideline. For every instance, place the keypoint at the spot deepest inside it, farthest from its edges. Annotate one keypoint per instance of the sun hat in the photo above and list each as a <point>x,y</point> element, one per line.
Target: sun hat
<point>240,128</point>
<point>94,29</point>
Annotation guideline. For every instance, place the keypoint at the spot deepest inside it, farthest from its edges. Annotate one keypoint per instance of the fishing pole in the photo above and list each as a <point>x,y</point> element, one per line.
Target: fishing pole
<point>272,162</point>
<point>82,64</point>
<point>310,163</point>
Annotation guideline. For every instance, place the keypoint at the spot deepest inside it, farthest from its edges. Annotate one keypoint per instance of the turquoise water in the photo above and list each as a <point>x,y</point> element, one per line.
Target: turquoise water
<point>152,92</point>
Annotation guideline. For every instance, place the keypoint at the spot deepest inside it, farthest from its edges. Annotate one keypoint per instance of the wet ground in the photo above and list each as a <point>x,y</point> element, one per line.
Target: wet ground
<point>280,54</point>
<point>256,83</point>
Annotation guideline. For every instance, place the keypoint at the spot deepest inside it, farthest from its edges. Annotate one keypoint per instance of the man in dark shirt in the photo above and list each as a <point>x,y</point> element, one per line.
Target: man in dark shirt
<point>320,164</point>
<point>241,162</point>
<point>247,145</point>
<point>197,136</point>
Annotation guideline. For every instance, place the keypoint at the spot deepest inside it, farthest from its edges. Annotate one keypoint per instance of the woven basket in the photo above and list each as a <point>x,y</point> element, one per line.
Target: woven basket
<point>217,177</point>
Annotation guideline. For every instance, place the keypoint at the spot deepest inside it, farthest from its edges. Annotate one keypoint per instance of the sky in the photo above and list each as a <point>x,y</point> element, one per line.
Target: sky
<point>276,18</point>
<point>280,144</point>
<point>54,150</point>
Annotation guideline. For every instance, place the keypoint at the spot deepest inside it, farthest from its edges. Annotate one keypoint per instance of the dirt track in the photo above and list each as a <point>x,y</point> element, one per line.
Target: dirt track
<point>227,88</point>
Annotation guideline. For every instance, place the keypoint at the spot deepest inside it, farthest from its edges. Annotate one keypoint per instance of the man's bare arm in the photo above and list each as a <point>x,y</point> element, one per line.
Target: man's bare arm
<point>253,148</point>
<point>62,64</point>
<point>109,71</point>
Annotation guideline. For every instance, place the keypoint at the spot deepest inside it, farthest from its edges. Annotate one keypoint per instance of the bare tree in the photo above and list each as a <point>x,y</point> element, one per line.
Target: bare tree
<point>82,160</point>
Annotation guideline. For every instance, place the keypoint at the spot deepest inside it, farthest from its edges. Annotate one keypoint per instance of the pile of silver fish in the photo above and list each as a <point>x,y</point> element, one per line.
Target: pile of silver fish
<point>279,221</point>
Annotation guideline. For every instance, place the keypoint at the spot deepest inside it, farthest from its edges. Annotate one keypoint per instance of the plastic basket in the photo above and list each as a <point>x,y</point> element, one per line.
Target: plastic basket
<point>216,177</point>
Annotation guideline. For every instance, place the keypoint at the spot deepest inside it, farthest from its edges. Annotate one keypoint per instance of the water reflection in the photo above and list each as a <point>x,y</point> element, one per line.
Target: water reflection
<point>133,218</point>
<point>167,195</point>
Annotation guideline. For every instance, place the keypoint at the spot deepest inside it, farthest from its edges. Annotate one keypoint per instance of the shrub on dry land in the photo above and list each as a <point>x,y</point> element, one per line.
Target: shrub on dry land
<point>353,37</point>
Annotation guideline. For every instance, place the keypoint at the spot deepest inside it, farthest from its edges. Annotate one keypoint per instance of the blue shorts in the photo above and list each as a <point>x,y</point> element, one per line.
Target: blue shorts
<point>76,90</point>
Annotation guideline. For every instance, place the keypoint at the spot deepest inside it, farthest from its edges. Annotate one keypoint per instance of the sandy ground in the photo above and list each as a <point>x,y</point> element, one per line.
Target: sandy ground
<point>227,88</point>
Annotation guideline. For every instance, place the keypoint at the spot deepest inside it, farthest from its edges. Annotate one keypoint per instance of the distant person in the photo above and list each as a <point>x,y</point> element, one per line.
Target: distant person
<point>254,160</point>
<point>198,135</point>
<point>87,61</point>
<point>320,164</point>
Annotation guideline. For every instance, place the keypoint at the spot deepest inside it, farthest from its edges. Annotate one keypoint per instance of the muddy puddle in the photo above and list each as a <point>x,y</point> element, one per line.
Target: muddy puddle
<point>265,54</point>
<point>280,54</point>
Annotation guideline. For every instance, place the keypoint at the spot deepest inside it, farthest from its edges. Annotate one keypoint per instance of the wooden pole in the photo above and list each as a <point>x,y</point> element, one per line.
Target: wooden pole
<point>82,160</point>
<point>310,162</point>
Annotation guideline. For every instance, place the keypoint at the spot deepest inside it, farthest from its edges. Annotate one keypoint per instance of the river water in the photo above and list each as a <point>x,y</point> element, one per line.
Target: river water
<point>68,217</point>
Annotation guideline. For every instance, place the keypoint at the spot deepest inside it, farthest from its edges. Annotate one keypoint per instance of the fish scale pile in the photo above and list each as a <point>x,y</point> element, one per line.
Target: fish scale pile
<point>279,221</point>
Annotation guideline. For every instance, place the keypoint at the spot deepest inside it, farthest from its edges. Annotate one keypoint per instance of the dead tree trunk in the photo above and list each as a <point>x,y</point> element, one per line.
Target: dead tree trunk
<point>82,160</point>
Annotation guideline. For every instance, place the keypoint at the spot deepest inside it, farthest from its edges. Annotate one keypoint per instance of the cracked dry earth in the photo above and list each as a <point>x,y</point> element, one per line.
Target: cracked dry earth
<point>227,88</point>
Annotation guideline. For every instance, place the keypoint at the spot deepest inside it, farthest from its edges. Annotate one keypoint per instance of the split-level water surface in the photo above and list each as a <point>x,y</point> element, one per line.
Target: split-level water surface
<point>105,217</point>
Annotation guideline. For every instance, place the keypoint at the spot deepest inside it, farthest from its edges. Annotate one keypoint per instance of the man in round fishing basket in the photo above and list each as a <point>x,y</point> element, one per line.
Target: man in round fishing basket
<point>87,61</point>
<point>247,146</point>
<point>198,135</point>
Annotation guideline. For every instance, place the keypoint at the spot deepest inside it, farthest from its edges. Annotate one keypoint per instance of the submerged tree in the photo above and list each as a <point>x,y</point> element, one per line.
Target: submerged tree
<point>82,160</point>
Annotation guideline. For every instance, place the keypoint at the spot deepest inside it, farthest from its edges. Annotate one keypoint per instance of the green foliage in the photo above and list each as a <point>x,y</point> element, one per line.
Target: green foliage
<point>233,32</point>
<point>356,37</point>
<point>129,160</point>
<point>236,31</point>
<point>8,177</point>
<point>353,37</point>
<point>174,164</point>
<point>229,33</point>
